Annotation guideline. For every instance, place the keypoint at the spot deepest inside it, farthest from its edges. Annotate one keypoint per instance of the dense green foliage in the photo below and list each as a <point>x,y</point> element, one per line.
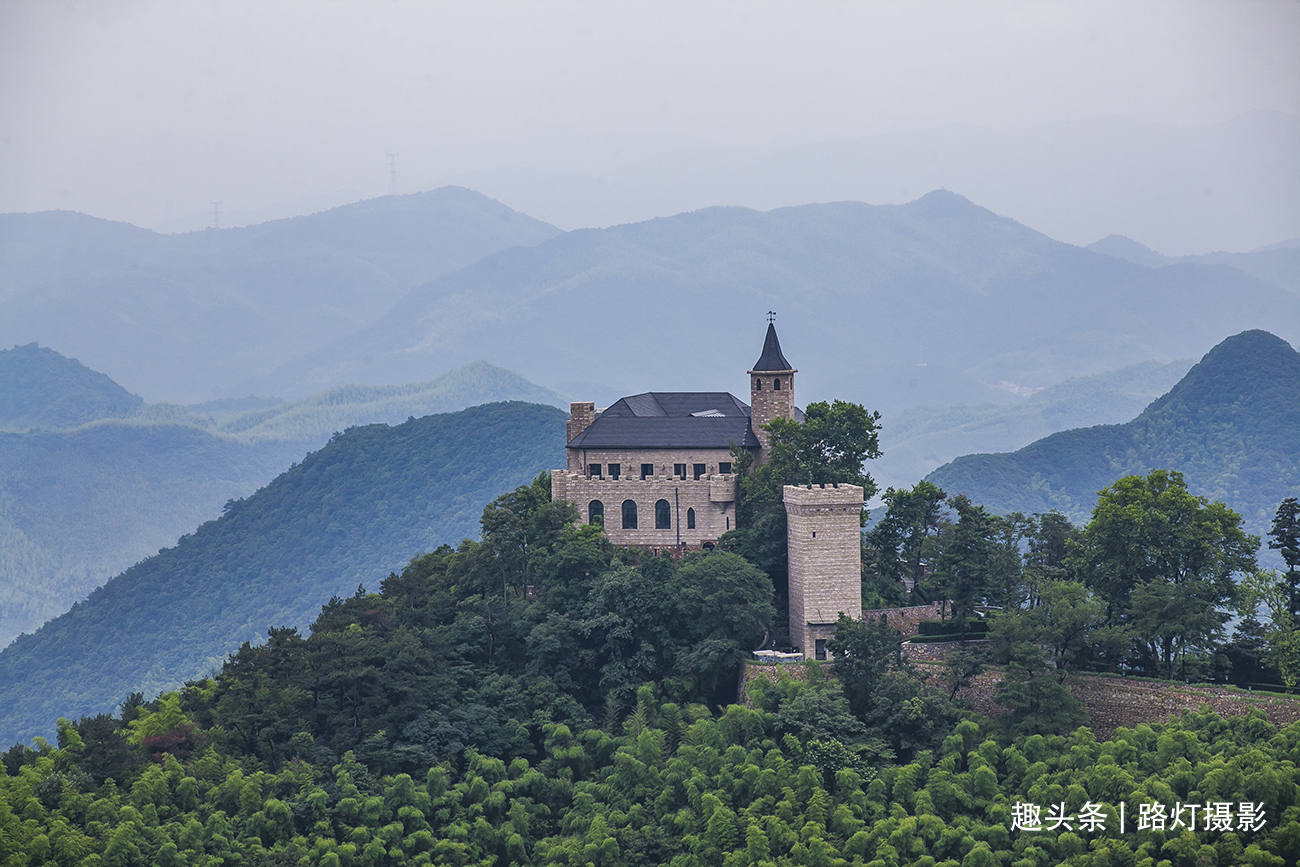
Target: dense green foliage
<point>349,514</point>
<point>80,505</point>
<point>828,447</point>
<point>667,785</point>
<point>1231,427</point>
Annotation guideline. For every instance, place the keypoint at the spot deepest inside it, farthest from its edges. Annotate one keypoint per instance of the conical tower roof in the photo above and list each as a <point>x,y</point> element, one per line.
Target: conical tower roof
<point>771,359</point>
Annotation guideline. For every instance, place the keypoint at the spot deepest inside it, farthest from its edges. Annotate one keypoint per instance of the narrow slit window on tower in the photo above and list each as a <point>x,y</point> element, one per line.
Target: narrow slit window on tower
<point>819,648</point>
<point>593,471</point>
<point>663,515</point>
<point>614,470</point>
<point>690,519</point>
<point>629,514</point>
<point>758,384</point>
<point>596,513</point>
<point>728,522</point>
<point>699,471</point>
<point>647,470</point>
<point>679,470</point>
<point>776,384</point>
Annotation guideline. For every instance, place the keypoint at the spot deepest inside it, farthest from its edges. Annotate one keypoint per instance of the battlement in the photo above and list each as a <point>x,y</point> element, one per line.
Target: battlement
<point>823,495</point>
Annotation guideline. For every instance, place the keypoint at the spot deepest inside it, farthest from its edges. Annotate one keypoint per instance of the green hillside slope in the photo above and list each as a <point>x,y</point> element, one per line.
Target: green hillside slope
<point>180,317</point>
<point>1231,426</point>
<point>920,439</point>
<point>347,515</point>
<point>935,301</point>
<point>78,506</point>
<point>40,388</point>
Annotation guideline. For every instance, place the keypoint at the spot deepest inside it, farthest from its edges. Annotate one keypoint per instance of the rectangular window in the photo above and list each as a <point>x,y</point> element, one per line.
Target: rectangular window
<point>819,646</point>
<point>724,467</point>
<point>614,470</point>
<point>679,470</point>
<point>647,470</point>
<point>593,471</point>
<point>699,471</point>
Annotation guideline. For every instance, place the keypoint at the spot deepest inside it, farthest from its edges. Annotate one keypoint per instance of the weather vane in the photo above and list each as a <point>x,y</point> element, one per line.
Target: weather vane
<point>771,316</point>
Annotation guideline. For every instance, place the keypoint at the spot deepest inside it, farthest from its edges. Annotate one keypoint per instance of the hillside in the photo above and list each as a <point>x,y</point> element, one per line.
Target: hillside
<point>1231,426</point>
<point>41,388</point>
<point>182,317</point>
<point>934,302</point>
<point>78,505</point>
<point>347,515</point>
<point>920,439</point>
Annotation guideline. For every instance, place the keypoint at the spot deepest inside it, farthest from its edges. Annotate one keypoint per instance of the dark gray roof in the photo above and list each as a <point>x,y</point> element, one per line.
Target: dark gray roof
<point>670,420</point>
<point>771,359</point>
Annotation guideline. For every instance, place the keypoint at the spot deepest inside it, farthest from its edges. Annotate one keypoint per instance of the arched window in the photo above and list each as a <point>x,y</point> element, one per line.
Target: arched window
<point>758,385</point>
<point>776,384</point>
<point>596,513</point>
<point>707,546</point>
<point>690,519</point>
<point>629,514</point>
<point>663,515</point>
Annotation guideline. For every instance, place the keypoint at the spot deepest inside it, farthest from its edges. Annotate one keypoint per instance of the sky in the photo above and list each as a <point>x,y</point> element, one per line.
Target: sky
<point>589,113</point>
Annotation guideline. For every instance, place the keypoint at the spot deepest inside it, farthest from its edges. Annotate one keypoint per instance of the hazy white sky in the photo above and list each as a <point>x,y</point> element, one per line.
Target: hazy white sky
<point>146,111</point>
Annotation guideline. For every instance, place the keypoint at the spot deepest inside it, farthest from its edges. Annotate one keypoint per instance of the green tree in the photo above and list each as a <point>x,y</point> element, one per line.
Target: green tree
<point>978,558</point>
<point>829,446</point>
<point>902,542</point>
<point>1163,562</point>
<point>1284,536</point>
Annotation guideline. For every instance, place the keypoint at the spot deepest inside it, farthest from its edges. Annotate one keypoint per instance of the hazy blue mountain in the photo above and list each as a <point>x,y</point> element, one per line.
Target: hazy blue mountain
<point>79,505</point>
<point>936,301</point>
<point>40,388</point>
<point>312,419</point>
<point>1231,426</point>
<point>1277,263</point>
<point>920,439</point>
<point>182,317</point>
<point>349,514</point>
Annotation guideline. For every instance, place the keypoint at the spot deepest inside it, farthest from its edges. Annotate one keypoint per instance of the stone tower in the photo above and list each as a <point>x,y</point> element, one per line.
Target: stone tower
<point>771,389</point>
<point>824,530</point>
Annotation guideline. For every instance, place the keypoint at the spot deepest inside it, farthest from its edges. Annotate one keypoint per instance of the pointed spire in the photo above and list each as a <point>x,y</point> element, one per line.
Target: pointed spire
<point>771,359</point>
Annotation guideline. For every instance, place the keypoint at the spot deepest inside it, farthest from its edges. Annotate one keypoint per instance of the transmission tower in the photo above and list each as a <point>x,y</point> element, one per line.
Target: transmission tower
<point>392,174</point>
<point>216,215</point>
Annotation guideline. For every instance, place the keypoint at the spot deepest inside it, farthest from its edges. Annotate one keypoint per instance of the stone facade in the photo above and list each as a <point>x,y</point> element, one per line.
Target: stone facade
<point>709,502</point>
<point>771,396</point>
<point>825,562</point>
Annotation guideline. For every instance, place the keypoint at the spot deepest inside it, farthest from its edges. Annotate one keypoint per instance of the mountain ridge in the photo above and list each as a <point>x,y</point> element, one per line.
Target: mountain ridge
<point>1231,426</point>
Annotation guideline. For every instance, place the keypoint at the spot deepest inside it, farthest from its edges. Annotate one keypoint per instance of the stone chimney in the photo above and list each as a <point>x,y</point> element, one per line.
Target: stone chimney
<point>581,415</point>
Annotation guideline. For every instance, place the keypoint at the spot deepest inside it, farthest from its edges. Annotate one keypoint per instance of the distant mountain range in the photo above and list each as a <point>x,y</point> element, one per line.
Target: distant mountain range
<point>920,439</point>
<point>349,514</point>
<point>183,317</point>
<point>92,479</point>
<point>936,302</point>
<point>1277,263</point>
<point>933,302</point>
<point>1231,426</point>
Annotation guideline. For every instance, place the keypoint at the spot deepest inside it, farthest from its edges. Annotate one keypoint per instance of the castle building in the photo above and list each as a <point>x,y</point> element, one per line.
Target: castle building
<point>655,470</point>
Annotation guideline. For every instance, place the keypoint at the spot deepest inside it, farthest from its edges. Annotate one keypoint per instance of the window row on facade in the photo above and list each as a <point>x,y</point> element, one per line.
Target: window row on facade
<point>696,471</point>
<point>663,515</point>
<point>758,384</point>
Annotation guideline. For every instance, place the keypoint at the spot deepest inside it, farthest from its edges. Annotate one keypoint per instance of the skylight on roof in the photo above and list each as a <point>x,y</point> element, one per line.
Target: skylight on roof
<point>708,413</point>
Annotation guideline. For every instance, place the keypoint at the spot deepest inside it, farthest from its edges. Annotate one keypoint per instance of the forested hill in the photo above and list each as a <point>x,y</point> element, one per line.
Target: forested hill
<point>41,388</point>
<point>177,317</point>
<point>347,515</point>
<point>1231,426</point>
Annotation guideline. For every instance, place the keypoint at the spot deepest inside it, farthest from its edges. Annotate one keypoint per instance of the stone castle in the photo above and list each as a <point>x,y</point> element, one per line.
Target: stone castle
<point>655,469</point>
